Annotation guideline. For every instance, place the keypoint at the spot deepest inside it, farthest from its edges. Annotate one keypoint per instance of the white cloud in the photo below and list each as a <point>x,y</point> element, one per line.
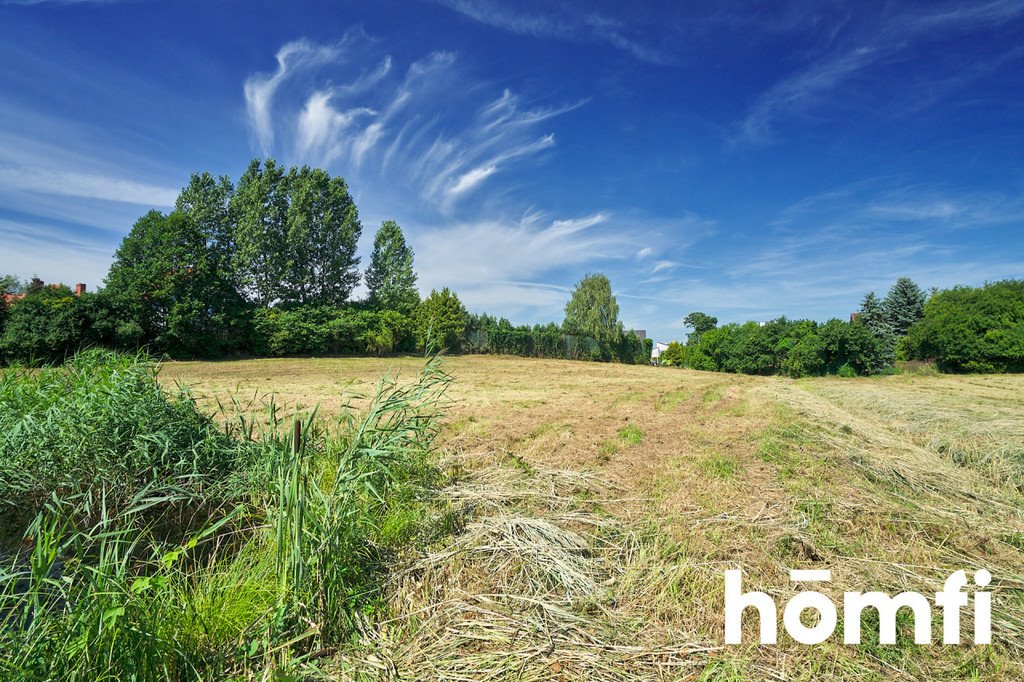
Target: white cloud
<point>33,168</point>
<point>88,185</point>
<point>645,252</point>
<point>895,33</point>
<point>320,128</point>
<point>34,249</point>
<point>261,88</point>
<point>799,92</point>
<point>552,21</point>
<point>381,122</point>
<point>496,263</point>
<point>471,179</point>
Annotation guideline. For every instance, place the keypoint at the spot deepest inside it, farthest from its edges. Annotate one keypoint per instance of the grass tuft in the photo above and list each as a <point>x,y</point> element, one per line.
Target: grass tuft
<point>631,434</point>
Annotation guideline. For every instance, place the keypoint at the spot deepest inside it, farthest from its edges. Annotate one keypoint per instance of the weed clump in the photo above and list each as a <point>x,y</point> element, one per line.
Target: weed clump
<point>162,545</point>
<point>101,426</point>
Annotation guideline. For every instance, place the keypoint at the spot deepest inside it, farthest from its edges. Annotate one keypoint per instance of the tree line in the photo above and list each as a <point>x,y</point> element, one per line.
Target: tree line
<point>963,329</point>
<point>267,267</point>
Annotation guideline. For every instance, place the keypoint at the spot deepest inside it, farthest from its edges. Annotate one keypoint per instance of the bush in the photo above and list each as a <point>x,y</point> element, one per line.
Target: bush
<point>440,321</point>
<point>487,334</point>
<point>674,355</point>
<point>972,329</point>
<point>101,426</point>
<point>310,330</point>
<point>792,347</point>
<point>52,323</point>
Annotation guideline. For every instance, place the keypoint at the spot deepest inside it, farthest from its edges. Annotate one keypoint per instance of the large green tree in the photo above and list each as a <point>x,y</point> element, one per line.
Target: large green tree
<point>258,209</point>
<point>390,277</point>
<point>207,202</point>
<point>322,229</point>
<point>295,236</point>
<point>440,320</point>
<point>593,311</point>
<point>904,305</point>
<point>168,291</point>
<point>973,329</point>
<point>700,323</point>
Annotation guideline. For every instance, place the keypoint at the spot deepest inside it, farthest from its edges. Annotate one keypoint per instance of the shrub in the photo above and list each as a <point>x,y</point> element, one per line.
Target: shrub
<point>101,591</point>
<point>972,329</point>
<point>101,426</point>
<point>311,330</point>
<point>440,320</point>
<point>792,347</point>
<point>674,355</point>
<point>51,324</point>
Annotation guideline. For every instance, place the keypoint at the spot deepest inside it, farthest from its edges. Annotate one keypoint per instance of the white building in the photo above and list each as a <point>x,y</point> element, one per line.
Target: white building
<point>657,350</point>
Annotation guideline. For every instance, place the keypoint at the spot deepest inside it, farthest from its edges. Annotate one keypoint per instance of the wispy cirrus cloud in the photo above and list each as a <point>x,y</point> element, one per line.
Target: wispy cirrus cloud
<point>295,57</point>
<point>34,248</point>
<point>378,121</point>
<point>829,249</point>
<point>508,265</point>
<point>72,183</point>
<point>896,33</point>
<point>559,21</point>
<point>39,167</point>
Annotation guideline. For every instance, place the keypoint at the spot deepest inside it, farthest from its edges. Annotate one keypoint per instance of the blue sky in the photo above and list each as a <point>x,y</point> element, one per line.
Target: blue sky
<point>746,159</point>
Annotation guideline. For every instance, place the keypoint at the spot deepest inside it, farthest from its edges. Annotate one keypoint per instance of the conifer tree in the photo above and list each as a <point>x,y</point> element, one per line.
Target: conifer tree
<point>390,277</point>
<point>903,306</point>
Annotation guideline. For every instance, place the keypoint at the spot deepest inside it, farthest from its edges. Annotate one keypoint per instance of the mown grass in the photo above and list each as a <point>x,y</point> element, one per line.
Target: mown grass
<point>841,474</point>
<point>163,546</point>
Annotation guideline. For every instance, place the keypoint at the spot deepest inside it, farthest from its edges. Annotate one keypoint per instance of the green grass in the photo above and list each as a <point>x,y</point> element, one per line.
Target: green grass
<point>671,399</point>
<point>607,450</point>
<point>631,434</point>
<point>712,395</point>
<point>178,549</point>
<point>719,466</point>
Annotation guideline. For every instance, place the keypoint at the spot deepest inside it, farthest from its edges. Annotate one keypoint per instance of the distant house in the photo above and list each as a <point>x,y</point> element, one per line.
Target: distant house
<point>657,350</point>
<point>10,298</point>
<point>640,333</point>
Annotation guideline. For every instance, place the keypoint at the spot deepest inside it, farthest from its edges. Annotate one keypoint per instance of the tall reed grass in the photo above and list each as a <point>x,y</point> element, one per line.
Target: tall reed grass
<point>165,544</point>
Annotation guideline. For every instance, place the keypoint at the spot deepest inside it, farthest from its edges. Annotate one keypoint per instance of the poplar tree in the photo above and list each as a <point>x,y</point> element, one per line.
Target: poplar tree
<point>294,237</point>
<point>321,233</point>
<point>258,209</point>
<point>207,203</point>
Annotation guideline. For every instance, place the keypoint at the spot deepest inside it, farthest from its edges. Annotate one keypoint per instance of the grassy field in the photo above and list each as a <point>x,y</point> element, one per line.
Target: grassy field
<point>601,505</point>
